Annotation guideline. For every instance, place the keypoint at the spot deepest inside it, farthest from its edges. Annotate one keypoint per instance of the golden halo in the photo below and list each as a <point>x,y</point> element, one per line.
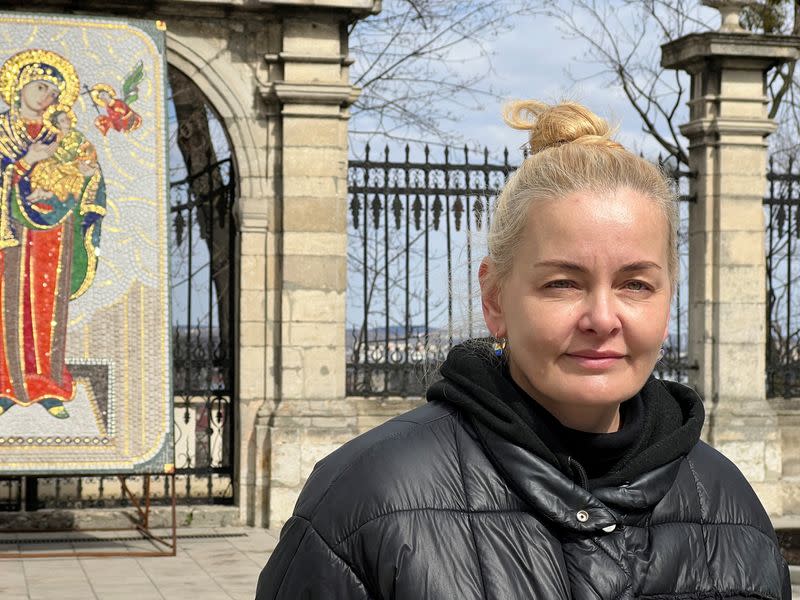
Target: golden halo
<point>38,65</point>
<point>95,93</point>
<point>47,117</point>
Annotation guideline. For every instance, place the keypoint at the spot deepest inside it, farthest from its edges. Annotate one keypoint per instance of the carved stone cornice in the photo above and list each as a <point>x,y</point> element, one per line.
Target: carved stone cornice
<point>328,94</point>
<point>360,7</point>
<point>691,52</point>
<point>757,129</point>
<point>286,57</point>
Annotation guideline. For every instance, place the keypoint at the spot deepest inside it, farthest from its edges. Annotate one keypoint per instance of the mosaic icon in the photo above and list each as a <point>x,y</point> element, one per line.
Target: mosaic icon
<point>85,368</point>
<point>52,201</point>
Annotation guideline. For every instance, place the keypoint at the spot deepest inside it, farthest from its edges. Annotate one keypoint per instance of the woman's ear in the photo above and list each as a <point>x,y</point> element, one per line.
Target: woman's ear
<point>491,301</point>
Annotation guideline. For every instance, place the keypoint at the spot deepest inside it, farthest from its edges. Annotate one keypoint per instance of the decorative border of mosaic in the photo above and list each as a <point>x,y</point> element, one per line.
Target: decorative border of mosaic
<point>85,350</point>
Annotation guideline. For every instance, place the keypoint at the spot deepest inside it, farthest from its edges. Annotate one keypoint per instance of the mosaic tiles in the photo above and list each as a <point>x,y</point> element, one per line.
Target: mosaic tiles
<point>85,369</point>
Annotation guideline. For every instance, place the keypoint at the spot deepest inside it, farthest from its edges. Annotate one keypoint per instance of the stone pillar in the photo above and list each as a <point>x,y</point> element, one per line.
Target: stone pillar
<point>727,129</point>
<point>307,250</point>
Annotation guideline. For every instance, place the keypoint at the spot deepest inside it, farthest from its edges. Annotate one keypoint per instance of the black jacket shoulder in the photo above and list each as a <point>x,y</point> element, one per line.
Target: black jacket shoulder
<point>376,465</point>
<point>724,493</point>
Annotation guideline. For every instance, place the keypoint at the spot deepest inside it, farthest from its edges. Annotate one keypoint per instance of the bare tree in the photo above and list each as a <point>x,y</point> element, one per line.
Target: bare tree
<point>622,37</point>
<point>420,63</point>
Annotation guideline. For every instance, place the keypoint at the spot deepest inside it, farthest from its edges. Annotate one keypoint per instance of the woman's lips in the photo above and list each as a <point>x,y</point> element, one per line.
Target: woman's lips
<point>596,360</point>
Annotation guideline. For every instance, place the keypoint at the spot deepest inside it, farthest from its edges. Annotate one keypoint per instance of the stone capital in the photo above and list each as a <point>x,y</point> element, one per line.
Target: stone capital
<point>289,57</point>
<point>696,51</point>
<point>312,93</point>
<point>708,129</point>
<point>323,100</point>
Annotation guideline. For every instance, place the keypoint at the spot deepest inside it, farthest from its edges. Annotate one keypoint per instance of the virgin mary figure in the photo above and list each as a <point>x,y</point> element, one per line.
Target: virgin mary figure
<point>49,242</point>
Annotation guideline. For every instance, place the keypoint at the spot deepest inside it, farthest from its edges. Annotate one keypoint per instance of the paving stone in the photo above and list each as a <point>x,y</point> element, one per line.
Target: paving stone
<point>204,569</point>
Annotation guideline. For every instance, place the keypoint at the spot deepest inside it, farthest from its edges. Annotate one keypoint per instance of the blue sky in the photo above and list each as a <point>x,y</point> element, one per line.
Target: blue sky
<point>534,58</point>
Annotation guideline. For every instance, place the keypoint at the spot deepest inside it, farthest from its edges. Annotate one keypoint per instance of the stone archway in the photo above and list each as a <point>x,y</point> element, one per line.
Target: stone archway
<point>231,93</point>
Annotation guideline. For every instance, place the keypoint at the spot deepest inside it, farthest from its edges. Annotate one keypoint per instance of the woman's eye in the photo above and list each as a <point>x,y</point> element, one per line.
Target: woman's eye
<point>561,284</point>
<point>637,286</point>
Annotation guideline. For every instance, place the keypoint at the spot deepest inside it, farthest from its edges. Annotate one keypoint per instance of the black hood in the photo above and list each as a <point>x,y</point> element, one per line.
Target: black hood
<point>476,382</point>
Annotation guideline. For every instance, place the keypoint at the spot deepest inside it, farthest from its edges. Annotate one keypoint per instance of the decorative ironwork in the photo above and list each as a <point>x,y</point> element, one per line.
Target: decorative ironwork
<point>782,215</point>
<point>413,262</point>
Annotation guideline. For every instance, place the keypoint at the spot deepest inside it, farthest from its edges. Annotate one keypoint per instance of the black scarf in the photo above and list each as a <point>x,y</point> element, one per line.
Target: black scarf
<point>661,423</point>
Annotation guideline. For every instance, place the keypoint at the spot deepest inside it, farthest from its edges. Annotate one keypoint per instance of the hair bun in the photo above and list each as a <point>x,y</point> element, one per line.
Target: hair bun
<point>554,125</point>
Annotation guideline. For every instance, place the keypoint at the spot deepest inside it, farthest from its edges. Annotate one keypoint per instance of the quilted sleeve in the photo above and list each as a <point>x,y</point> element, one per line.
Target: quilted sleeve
<point>787,584</point>
<point>304,566</point>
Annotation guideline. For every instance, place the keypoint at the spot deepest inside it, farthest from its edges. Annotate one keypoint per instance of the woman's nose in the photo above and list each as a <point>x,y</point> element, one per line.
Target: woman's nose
<point>600,314</point>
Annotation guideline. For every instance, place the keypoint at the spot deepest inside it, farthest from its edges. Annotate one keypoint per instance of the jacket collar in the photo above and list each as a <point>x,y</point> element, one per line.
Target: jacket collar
<point>560,500</point>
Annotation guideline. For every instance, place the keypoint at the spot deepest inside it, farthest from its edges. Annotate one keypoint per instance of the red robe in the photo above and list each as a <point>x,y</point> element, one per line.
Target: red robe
<point>34,292</point>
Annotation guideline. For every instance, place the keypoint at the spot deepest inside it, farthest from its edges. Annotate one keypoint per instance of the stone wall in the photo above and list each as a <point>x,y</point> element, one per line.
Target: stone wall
<point>788,412</point>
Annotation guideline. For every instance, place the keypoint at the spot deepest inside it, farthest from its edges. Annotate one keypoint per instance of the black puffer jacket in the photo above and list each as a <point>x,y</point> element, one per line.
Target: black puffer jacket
<point>440,504</point>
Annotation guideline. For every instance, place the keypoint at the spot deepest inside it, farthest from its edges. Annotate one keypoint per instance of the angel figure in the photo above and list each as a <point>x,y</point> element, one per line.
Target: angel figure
<point>120,116</point>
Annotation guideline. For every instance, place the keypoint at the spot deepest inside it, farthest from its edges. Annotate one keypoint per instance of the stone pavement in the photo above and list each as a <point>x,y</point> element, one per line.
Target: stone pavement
<point>214,563</point>
<point>219,564</point>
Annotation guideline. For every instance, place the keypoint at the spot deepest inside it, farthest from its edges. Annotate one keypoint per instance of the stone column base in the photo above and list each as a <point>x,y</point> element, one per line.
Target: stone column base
<point>750,437</point>
<point>294,452</point>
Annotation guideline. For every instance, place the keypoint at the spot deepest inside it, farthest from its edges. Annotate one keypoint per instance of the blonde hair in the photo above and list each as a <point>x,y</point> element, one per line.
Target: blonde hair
<point>571,151</point>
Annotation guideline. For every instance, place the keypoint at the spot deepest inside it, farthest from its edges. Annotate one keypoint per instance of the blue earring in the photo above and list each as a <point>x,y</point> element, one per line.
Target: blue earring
<point>499,346</point>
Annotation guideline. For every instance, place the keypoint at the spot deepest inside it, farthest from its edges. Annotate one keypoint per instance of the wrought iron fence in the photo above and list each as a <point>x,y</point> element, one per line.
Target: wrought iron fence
<point>416,236</point>
<point>203,282</point>
<point>782,214</point>
<point>411,236</point>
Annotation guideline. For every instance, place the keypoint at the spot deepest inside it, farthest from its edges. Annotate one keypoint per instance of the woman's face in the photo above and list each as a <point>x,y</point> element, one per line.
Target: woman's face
<point>36,96</point>
<point>586,305</point>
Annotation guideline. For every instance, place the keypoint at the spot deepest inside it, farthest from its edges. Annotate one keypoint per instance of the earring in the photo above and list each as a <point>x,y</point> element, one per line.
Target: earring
<point>499,346</point>
<point>661,353</point>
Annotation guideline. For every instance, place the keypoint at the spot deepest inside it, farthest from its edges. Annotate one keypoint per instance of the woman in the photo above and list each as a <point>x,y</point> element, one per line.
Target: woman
<point>553,466</point>
<point>49,243</point>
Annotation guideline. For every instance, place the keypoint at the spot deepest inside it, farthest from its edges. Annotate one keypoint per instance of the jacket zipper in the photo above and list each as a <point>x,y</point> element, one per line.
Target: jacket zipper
<point>578,470</point>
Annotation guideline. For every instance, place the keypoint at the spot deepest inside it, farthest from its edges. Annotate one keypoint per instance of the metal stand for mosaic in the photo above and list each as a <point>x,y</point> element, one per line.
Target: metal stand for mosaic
<point>163,545</point>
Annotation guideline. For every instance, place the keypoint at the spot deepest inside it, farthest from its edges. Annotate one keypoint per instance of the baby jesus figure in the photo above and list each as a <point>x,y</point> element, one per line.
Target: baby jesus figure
<point>64,175</point>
